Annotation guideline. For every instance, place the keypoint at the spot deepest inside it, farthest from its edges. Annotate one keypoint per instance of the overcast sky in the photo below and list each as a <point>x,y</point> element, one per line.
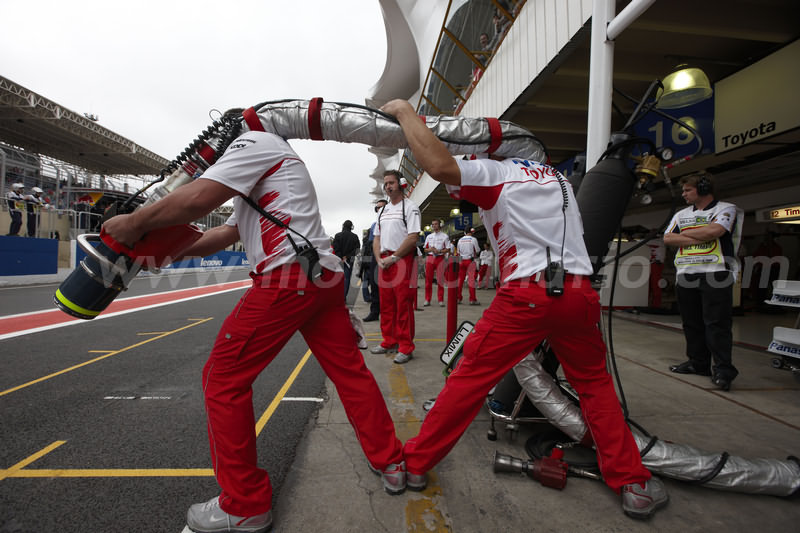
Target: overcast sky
<point>153,70</point>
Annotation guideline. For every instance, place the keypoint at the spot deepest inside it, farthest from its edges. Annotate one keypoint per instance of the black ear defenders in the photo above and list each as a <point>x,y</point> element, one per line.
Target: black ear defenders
<point>704,185</point>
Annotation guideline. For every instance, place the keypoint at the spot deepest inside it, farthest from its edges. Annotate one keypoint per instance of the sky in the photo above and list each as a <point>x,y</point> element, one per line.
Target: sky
<point>152,71</point>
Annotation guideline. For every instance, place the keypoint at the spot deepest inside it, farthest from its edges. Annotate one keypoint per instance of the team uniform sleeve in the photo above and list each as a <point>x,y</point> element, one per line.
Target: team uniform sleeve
<point>233,220</point>
<point>481,181</point>
<point>413,219</point>
<point>726,217</point>
<point>245,161</point>
<point>673,225</point>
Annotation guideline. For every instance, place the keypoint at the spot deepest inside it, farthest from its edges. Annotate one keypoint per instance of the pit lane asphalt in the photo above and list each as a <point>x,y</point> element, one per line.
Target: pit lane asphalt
<point>135,452</point>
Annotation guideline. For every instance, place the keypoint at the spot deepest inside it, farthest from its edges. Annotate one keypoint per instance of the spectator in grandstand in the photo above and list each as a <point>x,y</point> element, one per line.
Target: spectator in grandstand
<point>16,204</point>
<point>285,297</point>
<point>34,204</point>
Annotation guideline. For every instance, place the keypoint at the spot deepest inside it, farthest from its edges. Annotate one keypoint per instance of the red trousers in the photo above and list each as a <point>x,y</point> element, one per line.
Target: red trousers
<point>483,278</point>
<point>397,303</point>
<point>434,264</point>
<point>468,271</point>
<point>520,316</point>
<point>252,335</point>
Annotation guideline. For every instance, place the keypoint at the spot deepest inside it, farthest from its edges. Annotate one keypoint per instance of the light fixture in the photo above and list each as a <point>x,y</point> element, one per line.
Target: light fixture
<point>684,86</point>
<point>455,212</point>
<point>427,229</point>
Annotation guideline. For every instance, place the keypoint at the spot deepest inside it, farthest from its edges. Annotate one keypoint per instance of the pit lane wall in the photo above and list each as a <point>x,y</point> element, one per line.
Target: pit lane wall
<point>22,257</point>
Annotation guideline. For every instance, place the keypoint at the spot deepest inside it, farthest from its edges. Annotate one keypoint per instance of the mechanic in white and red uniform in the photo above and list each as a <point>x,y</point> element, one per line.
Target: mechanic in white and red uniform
<point>437,245</point>
<point>527,209</point>
<point>395,250</point>
<point>468,252</point>
<point>280,302</point>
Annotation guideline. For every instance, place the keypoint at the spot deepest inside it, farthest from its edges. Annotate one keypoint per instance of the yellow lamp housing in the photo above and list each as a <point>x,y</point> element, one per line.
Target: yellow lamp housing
<point>683,87</point>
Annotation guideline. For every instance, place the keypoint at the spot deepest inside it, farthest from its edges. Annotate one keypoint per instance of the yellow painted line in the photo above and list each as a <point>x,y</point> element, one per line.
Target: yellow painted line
<point>96,359</point>
<point>115,472</point>
<point>25,462</point>
<point>100,351</point>
<point>281,393</point>
<point>423,513</point>
<point>17,471</point>
<point>151,333</point>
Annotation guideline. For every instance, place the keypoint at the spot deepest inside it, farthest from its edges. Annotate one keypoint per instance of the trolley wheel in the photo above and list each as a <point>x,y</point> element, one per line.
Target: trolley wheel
<point>491,435</point>
<point>777,362</point>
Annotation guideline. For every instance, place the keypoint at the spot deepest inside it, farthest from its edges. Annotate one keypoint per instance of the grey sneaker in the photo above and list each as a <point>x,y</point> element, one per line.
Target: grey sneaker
<point>208,517</point>
<point>474,302</point>
<point>441,304</point>
<point>642,503</point>
<point>402,358</point>
<point>380,349</point>
<point>426,304</point>
<point>416,482</point>
<point>393,477</point>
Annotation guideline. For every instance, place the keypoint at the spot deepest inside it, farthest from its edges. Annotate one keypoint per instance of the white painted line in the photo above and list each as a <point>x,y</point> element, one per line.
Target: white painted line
<point>109,315</point>
<point>301,399</point>
<point>137,397</point>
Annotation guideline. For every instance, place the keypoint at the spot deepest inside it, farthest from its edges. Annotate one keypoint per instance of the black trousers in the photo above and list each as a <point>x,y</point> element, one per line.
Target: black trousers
<point>706,305</point>
<point>16,222</point>
<point>374,293</point>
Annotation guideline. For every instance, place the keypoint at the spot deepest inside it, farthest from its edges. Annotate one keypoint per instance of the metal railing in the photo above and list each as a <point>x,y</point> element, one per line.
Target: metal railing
<point>459,61</point>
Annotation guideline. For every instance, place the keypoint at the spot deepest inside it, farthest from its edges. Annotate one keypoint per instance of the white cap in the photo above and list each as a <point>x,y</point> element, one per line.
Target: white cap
<point>18,186</point>
<point>37,189</point>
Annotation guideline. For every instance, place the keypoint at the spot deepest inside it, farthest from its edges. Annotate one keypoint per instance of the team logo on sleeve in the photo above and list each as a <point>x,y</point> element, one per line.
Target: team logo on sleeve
<point>241,143</point>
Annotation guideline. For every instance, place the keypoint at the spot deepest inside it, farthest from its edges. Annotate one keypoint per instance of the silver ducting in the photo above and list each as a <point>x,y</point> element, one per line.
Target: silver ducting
<point>543,392</point>
<point>687,463</point>
<point>295,119</point>
<point>677,461</point>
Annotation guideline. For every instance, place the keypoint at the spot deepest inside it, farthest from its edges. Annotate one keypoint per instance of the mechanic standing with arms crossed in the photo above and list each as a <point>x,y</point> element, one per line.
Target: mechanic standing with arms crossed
<point>707,235</point>
<point>281,301</point>
<point>536,230</point>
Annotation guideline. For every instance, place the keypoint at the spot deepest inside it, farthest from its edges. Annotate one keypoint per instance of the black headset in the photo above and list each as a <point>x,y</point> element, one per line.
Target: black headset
<point>704,185</point>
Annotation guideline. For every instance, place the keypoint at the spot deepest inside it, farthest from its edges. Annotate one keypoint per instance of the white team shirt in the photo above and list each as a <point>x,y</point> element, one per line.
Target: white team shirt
<point>468,247</point>
<point>486,257</point>
<point>390,225</point>
<point>718,254</point>
<point>263,166</point>
<point>438,240</point>
<point>521,203</point>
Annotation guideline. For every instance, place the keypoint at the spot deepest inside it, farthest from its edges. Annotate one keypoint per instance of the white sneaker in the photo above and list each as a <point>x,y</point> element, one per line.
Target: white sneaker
<point>208,517</point>
<point>402,358</point>
<point>426,304</point>
<point>441,304</point>
<point>380,349</point>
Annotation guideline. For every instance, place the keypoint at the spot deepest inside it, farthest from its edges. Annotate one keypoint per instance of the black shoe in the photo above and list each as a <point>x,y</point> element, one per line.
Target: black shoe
<point>722,383</point>
<point>371,318</point>
<point>687,367</point>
